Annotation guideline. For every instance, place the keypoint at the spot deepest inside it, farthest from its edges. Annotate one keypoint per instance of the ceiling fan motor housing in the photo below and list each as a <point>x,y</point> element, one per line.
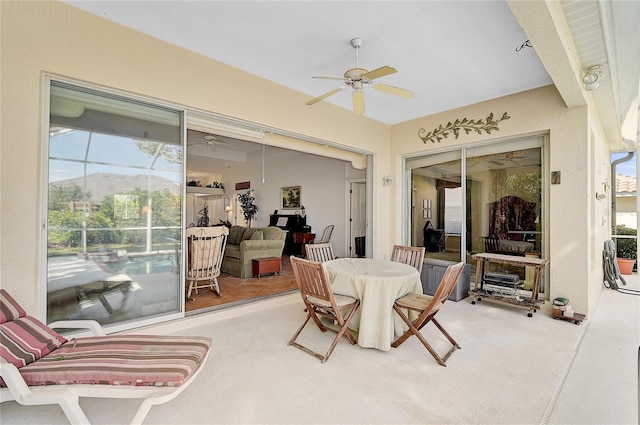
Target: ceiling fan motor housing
<point>355,76</point>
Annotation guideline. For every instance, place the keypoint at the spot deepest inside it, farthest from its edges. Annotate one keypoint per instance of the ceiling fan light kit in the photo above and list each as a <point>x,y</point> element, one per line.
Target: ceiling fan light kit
<point>358,78</point>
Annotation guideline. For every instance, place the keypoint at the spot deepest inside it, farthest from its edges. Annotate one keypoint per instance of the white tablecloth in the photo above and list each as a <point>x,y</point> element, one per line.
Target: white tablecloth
<point>377,284</point>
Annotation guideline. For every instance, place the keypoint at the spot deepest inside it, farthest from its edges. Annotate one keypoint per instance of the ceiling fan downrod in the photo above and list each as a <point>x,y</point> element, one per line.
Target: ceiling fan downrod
<point>356,43</point>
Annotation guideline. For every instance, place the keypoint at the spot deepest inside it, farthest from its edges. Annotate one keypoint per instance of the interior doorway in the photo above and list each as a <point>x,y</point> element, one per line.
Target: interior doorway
<point>357,218</point>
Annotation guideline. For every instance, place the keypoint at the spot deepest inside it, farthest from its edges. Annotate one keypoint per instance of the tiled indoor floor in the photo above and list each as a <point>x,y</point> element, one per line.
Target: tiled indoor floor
<point>235,289</point>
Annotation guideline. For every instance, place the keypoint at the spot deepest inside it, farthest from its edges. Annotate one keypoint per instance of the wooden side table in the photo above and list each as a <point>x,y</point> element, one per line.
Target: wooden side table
<point>301,239</point>
<point>265,265</point>
<point>479,291</point>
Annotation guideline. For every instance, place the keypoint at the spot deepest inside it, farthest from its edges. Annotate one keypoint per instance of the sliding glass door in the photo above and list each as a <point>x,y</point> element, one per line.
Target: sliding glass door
<point>436,183</point>
<point>114,207</point>
<point>482,199</point>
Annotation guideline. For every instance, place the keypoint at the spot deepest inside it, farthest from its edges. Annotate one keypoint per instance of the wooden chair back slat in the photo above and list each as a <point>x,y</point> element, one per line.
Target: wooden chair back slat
<point>448,282</point>
<point>411,255</point>
<point>490,243</point>
<point>320,252</point>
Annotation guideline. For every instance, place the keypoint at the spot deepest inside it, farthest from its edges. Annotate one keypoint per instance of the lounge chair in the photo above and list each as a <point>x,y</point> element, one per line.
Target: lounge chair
<point>40,366</point>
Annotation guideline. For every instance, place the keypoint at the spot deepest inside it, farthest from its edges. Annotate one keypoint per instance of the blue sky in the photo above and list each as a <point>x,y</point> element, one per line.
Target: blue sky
<point>627,168</point>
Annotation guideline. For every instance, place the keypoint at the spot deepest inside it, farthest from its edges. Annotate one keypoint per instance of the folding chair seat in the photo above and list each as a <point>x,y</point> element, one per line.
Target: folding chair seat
<point>427,307</point>
<point>321,302</point>
<point>40,366</point>
<point>411,255</point>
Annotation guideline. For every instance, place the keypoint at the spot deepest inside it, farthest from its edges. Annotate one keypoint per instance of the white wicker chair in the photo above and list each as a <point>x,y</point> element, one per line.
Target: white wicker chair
<point>205,254</point>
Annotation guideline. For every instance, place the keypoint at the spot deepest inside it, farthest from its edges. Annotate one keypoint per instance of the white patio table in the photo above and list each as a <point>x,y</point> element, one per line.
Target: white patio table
<point>377,284</point>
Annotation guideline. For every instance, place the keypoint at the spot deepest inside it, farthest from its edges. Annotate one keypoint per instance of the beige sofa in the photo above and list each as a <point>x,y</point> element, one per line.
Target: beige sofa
<point>246,243</point>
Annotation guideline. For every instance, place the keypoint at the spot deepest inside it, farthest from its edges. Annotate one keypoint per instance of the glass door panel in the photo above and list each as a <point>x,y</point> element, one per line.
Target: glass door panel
<point>114,208</point>
<point>437,205</point>
<point>506,208</point>
<point>485,198</point>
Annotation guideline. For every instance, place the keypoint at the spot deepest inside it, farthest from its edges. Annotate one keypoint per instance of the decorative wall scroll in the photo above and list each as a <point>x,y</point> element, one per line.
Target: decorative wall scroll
<point>465,125</point>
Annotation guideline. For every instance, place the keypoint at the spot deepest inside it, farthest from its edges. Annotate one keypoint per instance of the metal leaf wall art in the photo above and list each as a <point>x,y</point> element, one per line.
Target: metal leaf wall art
<point>467,125</point>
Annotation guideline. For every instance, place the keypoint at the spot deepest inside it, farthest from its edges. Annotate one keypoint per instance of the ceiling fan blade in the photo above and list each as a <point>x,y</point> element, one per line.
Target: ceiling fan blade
<point>324,96</point>
<point>380,72</point>
<point>209,146</point>
<point>393,90</point>
<point>358,102</point>
<point>325,77</point>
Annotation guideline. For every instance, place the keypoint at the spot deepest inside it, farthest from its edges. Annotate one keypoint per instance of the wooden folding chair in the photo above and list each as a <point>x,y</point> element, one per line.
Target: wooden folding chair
<point>321,302</point>
<point>428,307</point>
<point>490,243</point>
<point>319,252</point>
<point>411,255</point>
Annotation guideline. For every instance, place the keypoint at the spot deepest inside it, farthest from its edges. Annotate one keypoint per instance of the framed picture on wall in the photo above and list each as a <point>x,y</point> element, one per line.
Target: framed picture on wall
<point>290,197</point>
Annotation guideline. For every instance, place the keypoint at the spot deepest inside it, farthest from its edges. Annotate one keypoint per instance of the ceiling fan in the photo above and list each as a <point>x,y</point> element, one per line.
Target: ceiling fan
<point>357,78</point>
<point>210,141</point>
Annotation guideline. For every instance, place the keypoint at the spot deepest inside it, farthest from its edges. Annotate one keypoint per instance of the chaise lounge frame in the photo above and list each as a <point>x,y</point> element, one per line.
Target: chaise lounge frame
<point>67,396</point>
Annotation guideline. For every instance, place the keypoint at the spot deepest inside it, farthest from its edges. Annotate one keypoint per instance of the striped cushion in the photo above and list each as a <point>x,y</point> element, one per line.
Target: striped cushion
<point>9,308</point>
<point>141,360</point>
<point>26,339</point>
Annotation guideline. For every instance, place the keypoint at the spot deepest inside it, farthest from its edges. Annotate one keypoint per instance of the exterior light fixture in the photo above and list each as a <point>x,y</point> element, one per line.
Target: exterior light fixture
<point>592,77</point>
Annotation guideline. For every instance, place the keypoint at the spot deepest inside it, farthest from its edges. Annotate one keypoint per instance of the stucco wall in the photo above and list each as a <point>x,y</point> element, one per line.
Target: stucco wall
<point>51,37</point>
<point>572,238</point>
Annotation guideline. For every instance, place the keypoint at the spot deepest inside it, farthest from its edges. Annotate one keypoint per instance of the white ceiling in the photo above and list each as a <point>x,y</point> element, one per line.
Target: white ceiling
<point>449,53</point>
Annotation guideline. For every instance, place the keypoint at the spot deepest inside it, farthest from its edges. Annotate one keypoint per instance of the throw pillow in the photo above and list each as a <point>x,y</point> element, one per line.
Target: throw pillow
<point>257,236</point>
<point>9,308</point>
<point>26,340</point>
<point>233,233</point>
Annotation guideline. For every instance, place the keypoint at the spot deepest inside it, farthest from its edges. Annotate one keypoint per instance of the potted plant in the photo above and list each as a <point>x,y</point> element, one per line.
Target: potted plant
<point>249,209</point>
<point>626,249</point>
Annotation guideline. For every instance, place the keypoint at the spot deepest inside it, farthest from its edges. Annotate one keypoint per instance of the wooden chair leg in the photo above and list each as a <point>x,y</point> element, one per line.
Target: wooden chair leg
<point>295,336</point>
<point>214,286</point>
<point>407,333</point>
<point>445,333</point>
<point>343,331</point>
<point>413,330</point>
<point>347,320</point>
